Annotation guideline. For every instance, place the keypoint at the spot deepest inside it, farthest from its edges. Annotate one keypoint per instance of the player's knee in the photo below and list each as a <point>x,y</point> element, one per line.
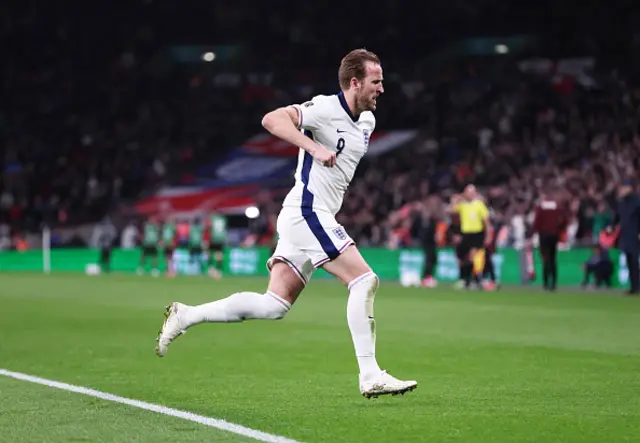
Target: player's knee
<point>368,281</point>
<point>276,307</point>
<point>375,282</point>
<point>284,281</point>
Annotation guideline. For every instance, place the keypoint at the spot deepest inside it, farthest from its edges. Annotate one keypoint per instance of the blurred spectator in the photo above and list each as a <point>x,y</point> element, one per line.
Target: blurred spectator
<point>105,235</point>
<point>431,213</point>
<point>628,218</point>
<point>600,267</point>
<point>5,237</point>
<point>91,126</point>
<point>129,237</point>
<point>550,219</point>
<point>602,218</point>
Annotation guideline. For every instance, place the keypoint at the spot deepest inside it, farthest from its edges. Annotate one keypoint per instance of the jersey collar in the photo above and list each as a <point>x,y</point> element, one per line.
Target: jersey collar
<point>345,106</point>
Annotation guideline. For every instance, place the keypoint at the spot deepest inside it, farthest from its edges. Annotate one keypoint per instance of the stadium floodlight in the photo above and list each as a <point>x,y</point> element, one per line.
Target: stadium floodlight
<point>502,49</point>
<point>208,56</point>
<point>252,212</point>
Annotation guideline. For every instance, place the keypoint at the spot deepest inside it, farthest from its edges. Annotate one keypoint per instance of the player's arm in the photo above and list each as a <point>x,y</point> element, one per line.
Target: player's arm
<point>488,227</point>
<point>488,230</point>
<point>454,204</point>
<point>536,220</point>
<point>284,123</point>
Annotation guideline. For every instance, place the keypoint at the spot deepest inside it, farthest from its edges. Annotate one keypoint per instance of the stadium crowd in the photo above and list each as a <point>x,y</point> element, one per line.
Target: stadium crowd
<point>89,126</point>
<point>584,142</point>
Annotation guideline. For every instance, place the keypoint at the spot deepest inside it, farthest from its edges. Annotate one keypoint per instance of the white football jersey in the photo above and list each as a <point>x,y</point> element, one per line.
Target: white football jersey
<point>328,120</point>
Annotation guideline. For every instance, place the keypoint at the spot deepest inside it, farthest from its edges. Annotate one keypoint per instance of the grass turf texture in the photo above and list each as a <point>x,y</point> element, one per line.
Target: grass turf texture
<point>516,366</point>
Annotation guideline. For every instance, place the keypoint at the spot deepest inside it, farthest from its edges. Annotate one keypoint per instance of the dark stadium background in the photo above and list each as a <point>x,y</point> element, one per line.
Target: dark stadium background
<point>110,114</point>
<point>107,103</point>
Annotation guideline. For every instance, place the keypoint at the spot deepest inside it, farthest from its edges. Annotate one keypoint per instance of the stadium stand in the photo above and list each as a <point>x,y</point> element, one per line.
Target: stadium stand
<point>91,128</point>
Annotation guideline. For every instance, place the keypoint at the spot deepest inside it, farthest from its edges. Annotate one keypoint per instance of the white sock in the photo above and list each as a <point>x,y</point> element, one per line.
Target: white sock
<point>362,324</point>
<point>238,307</point>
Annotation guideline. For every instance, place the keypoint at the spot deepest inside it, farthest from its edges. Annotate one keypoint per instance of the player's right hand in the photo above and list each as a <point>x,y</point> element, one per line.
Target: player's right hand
<point>323,155</point>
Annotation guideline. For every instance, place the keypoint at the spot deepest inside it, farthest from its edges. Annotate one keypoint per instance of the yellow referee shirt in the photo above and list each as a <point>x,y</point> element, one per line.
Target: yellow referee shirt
<point>472,215</point>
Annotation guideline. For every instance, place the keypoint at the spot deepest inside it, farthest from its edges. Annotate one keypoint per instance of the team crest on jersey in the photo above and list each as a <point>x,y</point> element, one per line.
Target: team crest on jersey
<point>366,138</point>
<point>339,232</point>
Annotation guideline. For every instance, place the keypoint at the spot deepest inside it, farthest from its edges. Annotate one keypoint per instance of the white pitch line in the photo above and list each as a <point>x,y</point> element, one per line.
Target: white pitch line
<point>207,421</point>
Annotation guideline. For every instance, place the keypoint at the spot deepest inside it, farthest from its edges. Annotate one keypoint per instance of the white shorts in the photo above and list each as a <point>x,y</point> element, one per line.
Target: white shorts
<point>306,242</point>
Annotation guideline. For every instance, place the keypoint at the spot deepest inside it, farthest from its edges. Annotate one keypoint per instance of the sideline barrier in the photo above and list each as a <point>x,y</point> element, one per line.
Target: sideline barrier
<point>388,264</point>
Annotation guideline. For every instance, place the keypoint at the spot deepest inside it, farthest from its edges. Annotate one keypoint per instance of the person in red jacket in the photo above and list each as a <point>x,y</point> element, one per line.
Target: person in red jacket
<point>550,220</point>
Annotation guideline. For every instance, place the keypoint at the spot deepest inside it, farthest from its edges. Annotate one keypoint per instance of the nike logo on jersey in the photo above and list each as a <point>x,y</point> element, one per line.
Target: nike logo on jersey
<point>339,131</point>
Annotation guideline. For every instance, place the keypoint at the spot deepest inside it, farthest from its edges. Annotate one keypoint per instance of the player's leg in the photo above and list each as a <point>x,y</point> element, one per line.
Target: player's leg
<point>352,270</point>
<point>211,267</point>
<point>467,266</point>
<point>426,270</point>
<point>488,272</point>
<point>203,257</point>
<point>589,270</point>
<point>154,262</point>
<point>216,260</point>
<point>477,257</point>
<point>168,259</point>
<point>430,260</point>
<point>553,263</point>
<point>195,257</point>
<point>461,260</point>
<point>105,260</point>
<point>282,291</point>
<point>477,263</point>
<point>632,265</point>
<point>192,254</point>
<point>543,258</point>
<point>290,270</point>
<point>544,255</point>
<point>143,259</point>
<point>607,272</point>
<point>491,270</point>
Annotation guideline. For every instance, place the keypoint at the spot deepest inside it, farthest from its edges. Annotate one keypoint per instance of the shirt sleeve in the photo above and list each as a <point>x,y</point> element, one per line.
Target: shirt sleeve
<point>314,114</point>
<point>536,219</point>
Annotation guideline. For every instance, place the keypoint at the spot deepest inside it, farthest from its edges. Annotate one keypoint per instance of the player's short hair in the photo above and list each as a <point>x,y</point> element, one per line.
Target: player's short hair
<point>352,65</point>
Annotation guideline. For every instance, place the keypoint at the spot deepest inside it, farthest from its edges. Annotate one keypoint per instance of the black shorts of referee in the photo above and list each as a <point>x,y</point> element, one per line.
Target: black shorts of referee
<point>471,240</point>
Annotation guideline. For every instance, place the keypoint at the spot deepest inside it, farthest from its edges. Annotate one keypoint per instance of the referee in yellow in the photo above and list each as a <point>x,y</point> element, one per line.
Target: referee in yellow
<point>475,228</point>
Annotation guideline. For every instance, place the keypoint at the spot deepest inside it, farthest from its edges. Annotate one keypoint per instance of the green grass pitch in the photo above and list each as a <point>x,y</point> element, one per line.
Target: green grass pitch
<point>511,366</point>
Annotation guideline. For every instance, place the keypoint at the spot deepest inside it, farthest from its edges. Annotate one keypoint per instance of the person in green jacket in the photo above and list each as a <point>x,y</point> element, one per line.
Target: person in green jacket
<point>150,241</point>
<point>602,218</point>
<point>216,241</point>
<point>168,245</point>
<point>197,242</point>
